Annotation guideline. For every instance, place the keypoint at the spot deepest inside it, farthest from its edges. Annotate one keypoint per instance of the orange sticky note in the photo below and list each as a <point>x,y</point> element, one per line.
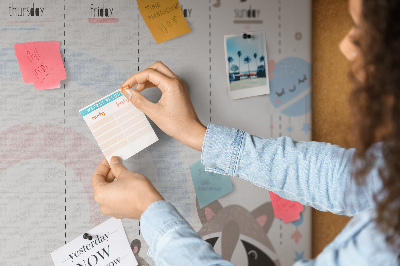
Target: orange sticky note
<point>164,18</point>
<point>41,63</point>
<point>288,211</point>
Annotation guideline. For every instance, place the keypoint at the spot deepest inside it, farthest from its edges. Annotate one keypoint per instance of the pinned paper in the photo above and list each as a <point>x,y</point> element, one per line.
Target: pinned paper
<point>286,210</point>
<point>164,18</point>
<point>209,186</point>
<point>118,126</point>
<point>41,63</point>
<point>108,246</point>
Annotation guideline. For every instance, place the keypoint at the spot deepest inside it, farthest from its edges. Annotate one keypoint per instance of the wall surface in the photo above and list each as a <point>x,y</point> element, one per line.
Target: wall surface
<point>331,89</point>
<point>49,153</point>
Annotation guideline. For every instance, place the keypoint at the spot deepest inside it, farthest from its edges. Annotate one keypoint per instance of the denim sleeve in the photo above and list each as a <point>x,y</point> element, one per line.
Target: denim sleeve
<point>313,173</point>
<point>172,240</point>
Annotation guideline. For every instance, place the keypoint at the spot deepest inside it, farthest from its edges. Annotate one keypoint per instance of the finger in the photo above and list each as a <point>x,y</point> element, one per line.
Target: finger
<point>142,86</point>
<point>159,80</point>
<point>110,177</point>
<point>117,167</point>
<point>160,67</point>
<point>105,210</point>
<point>140,102</point>
<point>100,174</point>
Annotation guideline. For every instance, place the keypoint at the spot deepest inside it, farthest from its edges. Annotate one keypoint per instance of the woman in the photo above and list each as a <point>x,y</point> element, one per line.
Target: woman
<point>362,181</point>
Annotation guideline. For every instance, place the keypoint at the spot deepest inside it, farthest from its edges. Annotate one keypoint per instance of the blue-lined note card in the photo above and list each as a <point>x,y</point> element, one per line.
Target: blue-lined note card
<point>209,186</point>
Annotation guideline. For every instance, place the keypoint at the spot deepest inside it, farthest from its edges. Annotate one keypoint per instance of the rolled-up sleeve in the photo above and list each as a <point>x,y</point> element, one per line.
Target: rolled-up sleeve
<point>313,173</point>
<point>172,240</point>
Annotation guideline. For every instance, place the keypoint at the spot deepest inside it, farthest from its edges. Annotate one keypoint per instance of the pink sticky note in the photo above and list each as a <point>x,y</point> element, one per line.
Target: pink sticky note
<point>288,211</point>
<point>41,63</point>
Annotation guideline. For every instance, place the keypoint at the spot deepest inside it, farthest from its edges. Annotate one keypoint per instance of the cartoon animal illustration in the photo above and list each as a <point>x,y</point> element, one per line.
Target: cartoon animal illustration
<point>291,86</point>
<point>233,229</point>
<point>135,246</point>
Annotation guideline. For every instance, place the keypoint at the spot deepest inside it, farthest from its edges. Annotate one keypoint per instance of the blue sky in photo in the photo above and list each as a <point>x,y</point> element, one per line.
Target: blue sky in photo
<point>248,47</point>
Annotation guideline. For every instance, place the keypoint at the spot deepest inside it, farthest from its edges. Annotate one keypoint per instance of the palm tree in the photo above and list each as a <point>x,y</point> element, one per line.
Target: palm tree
<point>255,58</point>
<point>262,59</point>
<point>247,60</point>
<point>239,53</point>
<point>230,60</point>
<point>234,68</point>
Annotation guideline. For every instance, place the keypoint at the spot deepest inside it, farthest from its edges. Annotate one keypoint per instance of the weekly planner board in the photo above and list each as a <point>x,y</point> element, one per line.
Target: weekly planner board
<point>49,153</point>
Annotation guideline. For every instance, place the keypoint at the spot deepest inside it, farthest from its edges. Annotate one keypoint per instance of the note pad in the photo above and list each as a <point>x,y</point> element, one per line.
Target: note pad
<point>41,63</point>
<point>209,186</point>
<point>119,128</point>
<point>164,18</point>
<point>287,210</point>
<point>108,246</point>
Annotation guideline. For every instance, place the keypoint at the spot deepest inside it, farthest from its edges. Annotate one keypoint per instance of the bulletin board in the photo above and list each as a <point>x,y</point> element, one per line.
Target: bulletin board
<point>48,153</point>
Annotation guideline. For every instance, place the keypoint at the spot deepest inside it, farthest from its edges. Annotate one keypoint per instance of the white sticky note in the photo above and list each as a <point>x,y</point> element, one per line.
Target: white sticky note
<point>119,128</point>
<point>109,246</point>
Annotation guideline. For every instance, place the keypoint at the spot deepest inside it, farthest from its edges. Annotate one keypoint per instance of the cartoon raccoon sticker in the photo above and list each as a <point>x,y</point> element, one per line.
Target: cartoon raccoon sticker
<point>135,246</point>
<point>290,86</point>
<point>236,233</point>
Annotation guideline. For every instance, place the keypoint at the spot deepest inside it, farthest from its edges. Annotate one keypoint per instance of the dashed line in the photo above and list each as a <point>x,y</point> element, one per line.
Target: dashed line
<point>279,26</point>
<point>138,69</point>
<point>271,125</point>
<point>280,51</point>
<point>209,48</point>
<point>65,171</point>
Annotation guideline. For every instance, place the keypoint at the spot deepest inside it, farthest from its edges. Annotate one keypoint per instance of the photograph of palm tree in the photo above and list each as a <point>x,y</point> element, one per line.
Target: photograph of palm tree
<point>245,58</point>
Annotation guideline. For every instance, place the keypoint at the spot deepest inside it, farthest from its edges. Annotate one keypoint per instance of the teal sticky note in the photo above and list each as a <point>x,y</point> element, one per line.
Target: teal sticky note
<point>209,186</point>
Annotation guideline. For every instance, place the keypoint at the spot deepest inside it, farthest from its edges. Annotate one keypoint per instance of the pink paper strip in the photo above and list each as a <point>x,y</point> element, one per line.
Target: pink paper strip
<point>103,20</point>
<point>288,211</point>
<point>41,63</point>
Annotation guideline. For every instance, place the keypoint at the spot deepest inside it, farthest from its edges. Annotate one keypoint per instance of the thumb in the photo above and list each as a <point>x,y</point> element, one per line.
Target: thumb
<point>117,167</point>
<point>138,100</point>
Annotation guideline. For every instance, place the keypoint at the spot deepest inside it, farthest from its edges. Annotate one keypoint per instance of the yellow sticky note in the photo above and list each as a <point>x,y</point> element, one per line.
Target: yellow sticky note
<point>164,18</point>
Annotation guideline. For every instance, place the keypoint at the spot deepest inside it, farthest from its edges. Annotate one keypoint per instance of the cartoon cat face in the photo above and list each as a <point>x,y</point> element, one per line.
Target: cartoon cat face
<point>292,79</point>
<point>234,231</point>
<point>255,256</point>
<point>135,246</point>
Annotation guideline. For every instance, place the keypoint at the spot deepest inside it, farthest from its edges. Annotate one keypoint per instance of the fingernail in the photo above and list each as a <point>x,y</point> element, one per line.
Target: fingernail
<point>115,160</point>
<point>127,93</point>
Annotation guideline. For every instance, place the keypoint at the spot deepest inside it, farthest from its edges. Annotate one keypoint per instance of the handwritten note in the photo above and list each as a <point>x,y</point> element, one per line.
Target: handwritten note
<point>164,18</point>
<point>41,63</point>
<point>118,126</point>
<point>209,186</point>
<point>109,246</point>
<point>288,211</point>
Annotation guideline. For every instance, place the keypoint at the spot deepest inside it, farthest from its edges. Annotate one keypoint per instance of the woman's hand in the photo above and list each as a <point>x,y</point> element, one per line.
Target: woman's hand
<point>127,197</point>
<point>174,112</point>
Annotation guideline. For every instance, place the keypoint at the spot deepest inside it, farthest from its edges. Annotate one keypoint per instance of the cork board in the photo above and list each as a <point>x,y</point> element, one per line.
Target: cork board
<point>331,89</point>
<point>50,153</point>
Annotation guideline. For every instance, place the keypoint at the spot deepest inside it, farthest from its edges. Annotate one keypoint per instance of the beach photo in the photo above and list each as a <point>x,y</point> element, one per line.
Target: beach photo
<point>246,65</point>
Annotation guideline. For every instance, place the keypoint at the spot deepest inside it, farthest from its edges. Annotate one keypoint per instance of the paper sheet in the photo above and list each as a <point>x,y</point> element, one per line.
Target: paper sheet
<point>41,63</point>
<point>209,186</point>
<point>288,211</point>
<point>119,128</point>
<point>109,246</point>
<point>164,18</point>
<point>246,65</point>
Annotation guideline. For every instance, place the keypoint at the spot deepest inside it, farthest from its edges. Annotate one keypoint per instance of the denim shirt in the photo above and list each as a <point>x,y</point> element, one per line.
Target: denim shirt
<point>312,173</point>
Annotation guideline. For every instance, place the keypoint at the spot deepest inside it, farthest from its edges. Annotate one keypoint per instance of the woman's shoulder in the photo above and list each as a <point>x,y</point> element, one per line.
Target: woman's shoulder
<point>362,241</point>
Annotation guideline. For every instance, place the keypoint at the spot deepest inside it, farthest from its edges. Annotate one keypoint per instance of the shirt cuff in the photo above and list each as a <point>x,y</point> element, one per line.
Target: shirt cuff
<point>157,220</point>
<point>222,148</point>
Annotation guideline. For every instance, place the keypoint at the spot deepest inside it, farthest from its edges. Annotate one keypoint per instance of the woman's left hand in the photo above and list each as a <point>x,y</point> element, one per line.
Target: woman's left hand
<point>127,197</point>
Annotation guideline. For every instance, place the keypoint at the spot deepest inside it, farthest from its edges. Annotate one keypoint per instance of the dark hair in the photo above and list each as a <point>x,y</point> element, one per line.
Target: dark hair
<point>375,103</point>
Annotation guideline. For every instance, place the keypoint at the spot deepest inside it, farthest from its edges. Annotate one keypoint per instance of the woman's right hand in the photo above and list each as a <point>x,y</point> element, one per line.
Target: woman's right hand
<point>173,113</point>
